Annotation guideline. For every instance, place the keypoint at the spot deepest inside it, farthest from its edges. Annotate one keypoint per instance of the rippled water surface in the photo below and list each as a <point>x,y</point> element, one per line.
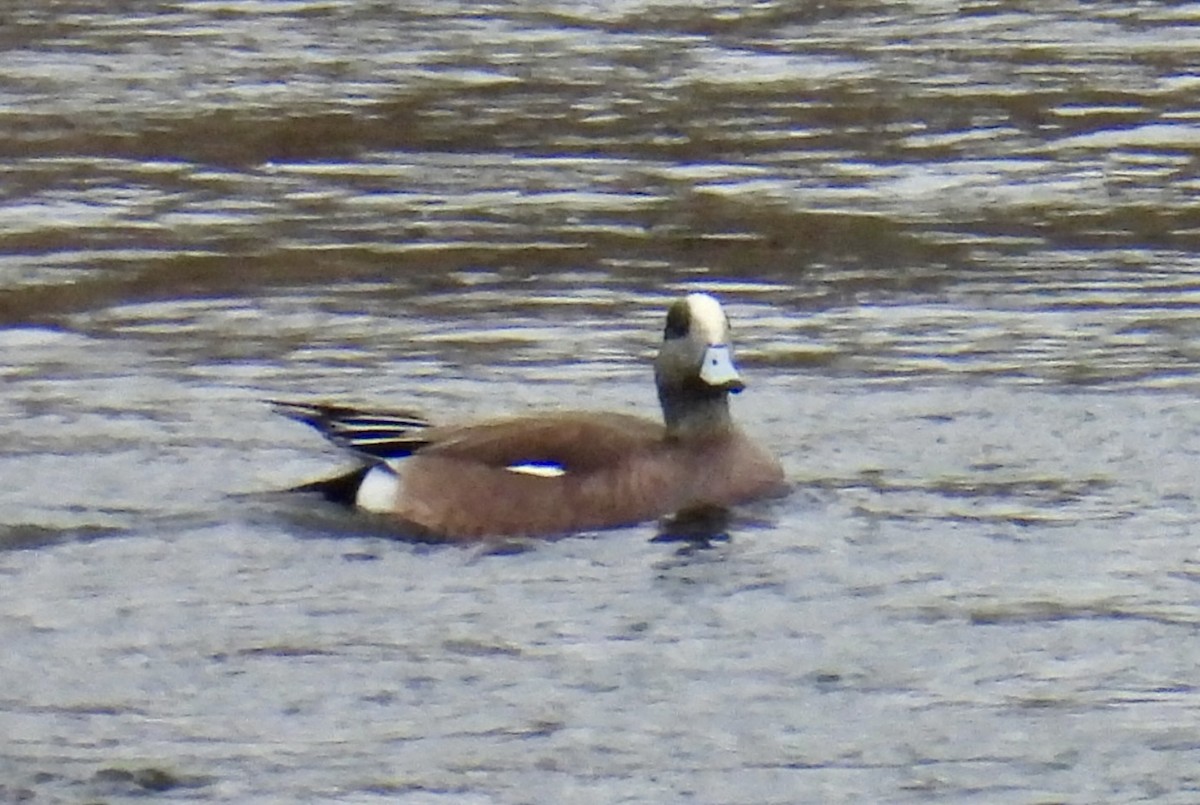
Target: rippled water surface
<point>959,243</point>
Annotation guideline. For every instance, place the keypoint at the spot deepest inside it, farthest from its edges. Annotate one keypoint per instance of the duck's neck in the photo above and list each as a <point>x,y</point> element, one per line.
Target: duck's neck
<point>694,416</point>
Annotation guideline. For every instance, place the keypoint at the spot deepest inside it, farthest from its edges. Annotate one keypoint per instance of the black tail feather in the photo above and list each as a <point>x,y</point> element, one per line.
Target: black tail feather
<point>340,489</point>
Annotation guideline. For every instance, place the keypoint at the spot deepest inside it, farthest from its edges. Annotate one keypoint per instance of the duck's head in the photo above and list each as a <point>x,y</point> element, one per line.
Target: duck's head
<point>694,369</point>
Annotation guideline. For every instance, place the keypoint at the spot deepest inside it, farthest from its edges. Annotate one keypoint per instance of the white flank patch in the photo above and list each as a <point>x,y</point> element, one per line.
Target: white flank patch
<point>378,490</point>
<point>542,469</point>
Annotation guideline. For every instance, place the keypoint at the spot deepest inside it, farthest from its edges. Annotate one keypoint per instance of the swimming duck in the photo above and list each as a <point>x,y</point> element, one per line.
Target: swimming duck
<point>560,472</point>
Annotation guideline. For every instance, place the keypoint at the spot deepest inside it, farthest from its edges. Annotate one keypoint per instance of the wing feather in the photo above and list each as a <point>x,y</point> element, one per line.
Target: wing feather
<point>378,434</point>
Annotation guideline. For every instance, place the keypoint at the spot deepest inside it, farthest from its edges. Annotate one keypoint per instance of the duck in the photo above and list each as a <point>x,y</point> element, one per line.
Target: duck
<point>556,473</point>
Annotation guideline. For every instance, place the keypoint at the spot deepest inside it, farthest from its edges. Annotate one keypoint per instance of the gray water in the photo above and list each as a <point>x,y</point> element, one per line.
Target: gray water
<point>959,244</point>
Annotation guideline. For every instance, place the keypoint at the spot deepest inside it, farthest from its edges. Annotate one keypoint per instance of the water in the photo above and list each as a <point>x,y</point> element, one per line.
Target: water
<point>958,244</point>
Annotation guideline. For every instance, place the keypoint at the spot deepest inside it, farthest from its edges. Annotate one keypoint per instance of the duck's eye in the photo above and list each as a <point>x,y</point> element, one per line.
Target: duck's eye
<point>678,322</point>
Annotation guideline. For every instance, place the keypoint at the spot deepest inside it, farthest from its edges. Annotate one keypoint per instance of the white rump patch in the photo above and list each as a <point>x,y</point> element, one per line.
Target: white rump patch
<point>378,490</point>
<point>541,469</point>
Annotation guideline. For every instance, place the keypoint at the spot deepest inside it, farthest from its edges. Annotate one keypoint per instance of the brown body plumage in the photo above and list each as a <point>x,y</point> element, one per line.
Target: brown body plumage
<point>562,472</point>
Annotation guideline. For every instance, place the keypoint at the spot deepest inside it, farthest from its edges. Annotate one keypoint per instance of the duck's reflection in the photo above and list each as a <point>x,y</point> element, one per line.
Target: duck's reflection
<point>697,527</point>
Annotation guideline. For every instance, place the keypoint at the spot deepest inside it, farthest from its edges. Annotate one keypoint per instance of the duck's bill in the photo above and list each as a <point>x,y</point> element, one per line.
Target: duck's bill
<point>718,371</point>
